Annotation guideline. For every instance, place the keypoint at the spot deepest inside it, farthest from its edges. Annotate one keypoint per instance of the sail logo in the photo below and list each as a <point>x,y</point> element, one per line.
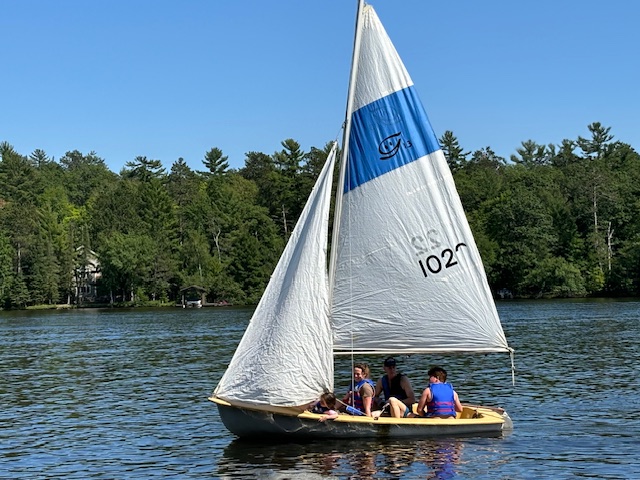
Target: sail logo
<point>389,147</point>
<point>385,114</point>
<point>386,134</point>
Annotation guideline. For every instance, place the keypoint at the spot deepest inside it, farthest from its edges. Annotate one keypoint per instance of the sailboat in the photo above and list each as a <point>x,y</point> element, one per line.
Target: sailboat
<point>404,275</point>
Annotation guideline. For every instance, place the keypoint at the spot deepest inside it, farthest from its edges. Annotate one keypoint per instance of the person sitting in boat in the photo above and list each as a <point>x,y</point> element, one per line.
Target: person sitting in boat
<point>325,406</point>
<point>397,390</point>
<point>360,396</point>
<point>439,399</point>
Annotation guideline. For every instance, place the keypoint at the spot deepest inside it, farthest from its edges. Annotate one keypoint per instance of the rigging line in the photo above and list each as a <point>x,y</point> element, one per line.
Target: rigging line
<point>352,320</point>
<point>357,42</point>
<point>343,163</point>
<point>513,367</point>
<point>345,143</point>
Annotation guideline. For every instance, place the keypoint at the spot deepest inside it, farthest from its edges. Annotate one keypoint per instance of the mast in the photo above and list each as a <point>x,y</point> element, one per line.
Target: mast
<point>345,147</point>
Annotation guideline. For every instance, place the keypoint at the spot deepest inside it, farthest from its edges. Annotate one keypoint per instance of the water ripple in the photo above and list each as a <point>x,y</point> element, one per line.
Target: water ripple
<point>122,394</point>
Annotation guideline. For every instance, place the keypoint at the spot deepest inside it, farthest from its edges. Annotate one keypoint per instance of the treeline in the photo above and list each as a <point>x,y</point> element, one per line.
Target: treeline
<point>555,221</point>
<point>154,231</point>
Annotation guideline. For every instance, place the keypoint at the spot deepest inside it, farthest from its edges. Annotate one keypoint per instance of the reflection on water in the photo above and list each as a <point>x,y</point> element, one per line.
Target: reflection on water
<point>123,394</point>
<point>431,459</point>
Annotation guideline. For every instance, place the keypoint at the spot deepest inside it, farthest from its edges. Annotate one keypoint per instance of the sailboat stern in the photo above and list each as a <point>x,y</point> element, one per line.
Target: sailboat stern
<point>494,414</point>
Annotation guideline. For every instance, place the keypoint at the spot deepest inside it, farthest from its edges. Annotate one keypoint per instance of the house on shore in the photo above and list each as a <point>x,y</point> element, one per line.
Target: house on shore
<point>193,296</point>
<point>86,275</point>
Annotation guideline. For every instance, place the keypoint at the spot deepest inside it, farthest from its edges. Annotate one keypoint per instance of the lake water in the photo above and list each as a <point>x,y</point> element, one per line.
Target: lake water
<point>119,394</point>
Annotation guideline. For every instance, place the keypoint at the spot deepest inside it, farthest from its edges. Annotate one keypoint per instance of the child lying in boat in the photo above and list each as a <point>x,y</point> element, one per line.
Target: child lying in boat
<point>325,406</point>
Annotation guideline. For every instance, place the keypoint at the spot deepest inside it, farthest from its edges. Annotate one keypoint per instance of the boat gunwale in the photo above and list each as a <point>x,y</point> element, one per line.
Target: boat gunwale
<point>487,415</point>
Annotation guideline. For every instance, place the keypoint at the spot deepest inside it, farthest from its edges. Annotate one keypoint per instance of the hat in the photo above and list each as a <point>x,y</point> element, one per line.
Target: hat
<point>390,362</point>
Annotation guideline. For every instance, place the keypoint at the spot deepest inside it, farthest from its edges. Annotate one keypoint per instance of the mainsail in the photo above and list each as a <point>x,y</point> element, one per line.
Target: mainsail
<point>408,275</point>
<point>285,357</point>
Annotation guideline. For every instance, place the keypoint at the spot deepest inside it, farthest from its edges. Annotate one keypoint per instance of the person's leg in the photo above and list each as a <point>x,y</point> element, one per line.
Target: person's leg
<point>396,407</point>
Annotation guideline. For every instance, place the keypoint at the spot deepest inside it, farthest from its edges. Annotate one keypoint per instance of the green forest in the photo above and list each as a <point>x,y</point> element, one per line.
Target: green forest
<point>550,221</point>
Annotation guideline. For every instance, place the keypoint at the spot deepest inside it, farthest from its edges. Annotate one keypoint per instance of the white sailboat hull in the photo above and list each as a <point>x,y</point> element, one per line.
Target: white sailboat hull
<point>269,422</point>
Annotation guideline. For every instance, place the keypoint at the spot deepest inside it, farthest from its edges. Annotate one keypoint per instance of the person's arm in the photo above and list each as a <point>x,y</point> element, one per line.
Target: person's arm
<point>405,383</point>
<point>345,400</point>
<point>330,415</point>
<point>424,399</point>
<point>457,402</point>
<point>347,397</point>
<point>378,391</point>
<point>366,392</point>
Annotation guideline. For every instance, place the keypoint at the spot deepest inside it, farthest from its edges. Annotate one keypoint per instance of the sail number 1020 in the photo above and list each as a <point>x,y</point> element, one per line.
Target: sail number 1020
<point>435,264</point>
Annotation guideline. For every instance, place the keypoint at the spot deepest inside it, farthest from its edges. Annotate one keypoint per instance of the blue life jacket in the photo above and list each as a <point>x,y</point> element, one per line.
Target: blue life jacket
<point>318,408</point>
<point>357,399</point>
<point>442,402</point>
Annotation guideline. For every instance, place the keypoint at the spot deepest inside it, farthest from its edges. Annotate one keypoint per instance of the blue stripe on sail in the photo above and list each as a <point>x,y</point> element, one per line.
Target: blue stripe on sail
<point>387,134</point>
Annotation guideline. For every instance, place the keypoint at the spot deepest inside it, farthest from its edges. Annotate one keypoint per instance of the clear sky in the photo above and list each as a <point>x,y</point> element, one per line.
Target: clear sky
<point>168,79</point>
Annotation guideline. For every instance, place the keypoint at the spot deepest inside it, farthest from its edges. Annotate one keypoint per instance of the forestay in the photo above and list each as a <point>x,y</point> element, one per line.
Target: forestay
<point>285,356</point>
<point>408,275</point>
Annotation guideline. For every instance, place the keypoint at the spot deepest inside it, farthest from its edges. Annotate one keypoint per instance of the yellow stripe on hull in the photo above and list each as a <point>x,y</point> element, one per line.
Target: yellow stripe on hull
<point>256,421</point>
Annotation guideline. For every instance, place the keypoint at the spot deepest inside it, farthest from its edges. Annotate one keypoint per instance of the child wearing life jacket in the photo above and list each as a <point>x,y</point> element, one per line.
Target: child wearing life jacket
<point>439,399</point>
<point>325,406</point>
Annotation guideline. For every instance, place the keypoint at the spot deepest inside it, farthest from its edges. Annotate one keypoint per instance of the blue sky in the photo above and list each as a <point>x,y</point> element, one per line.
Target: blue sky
<point>169,79</point>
